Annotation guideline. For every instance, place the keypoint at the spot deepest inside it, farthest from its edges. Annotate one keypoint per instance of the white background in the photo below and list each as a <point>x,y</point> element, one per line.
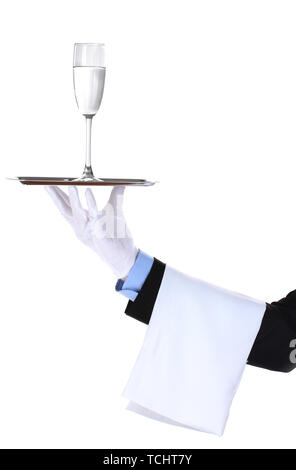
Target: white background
<point>199,95</point>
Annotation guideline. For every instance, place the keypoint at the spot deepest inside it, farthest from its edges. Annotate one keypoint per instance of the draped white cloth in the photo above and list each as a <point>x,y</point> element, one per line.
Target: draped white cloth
<point>194,353</point>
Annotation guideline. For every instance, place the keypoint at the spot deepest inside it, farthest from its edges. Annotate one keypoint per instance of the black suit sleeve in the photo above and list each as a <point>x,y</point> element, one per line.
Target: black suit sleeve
<point>141,308</point>
<point>272,347</point>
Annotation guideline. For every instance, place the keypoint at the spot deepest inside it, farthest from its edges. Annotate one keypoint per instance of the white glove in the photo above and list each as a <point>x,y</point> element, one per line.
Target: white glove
<point>104,231</point>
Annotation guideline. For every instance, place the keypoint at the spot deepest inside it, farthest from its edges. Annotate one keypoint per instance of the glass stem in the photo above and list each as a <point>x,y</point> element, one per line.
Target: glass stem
<point>88,173</point>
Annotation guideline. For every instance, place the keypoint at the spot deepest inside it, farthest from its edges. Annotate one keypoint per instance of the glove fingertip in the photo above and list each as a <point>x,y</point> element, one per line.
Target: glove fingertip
<point>119,189</point>
<point>90,199</point>
<point>72,190</point>
<point>49,189</point>
<point>74,198</point>
<point>117,192</point>
<point>89,194</point>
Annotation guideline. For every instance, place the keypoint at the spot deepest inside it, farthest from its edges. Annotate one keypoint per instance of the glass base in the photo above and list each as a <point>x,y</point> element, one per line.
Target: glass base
<point>88,176</point>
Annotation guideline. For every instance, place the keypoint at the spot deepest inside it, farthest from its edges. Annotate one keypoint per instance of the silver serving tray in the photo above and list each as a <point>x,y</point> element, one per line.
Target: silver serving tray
<point>41,180</point>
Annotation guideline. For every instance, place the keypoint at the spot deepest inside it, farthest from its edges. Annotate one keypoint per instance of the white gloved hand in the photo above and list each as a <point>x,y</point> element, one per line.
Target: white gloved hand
<point>104,231</point>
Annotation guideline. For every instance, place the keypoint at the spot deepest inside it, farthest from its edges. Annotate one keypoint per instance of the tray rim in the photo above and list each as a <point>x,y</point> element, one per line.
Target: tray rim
<point>69,181</point>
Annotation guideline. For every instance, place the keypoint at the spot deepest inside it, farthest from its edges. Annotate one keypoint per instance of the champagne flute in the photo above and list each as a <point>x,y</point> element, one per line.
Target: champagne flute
<point>89,78</point>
